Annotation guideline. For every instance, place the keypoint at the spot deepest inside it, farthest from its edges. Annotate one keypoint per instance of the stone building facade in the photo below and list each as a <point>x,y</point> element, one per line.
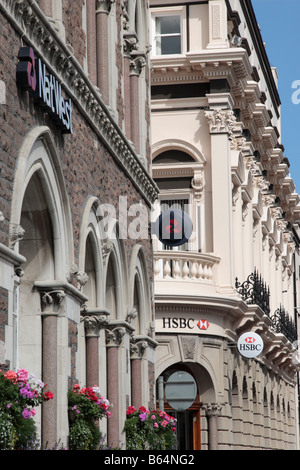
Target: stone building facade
<point>76,296</point>
<point>218,156</point>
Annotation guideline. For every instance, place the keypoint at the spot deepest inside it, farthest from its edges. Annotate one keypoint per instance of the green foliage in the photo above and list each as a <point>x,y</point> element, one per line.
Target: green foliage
<point>149,430</point>
<point>86,406</point>
<point>20,393</point>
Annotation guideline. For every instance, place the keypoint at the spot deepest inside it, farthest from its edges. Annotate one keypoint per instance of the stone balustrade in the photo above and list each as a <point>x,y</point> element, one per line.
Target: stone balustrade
<point>185,265</point>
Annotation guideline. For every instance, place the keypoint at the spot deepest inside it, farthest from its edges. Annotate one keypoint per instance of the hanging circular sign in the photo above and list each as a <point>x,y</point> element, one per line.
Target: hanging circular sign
<point>173,227</point>
<point>181,390</point>
<point>250,345</point>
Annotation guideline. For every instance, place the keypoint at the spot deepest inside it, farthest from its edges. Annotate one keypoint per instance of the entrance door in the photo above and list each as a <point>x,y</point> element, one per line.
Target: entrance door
<point>187,429</point>
<point>181,400</point>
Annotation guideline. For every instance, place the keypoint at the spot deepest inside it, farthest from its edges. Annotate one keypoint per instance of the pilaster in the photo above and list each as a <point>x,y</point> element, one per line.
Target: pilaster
<point>221,122</point>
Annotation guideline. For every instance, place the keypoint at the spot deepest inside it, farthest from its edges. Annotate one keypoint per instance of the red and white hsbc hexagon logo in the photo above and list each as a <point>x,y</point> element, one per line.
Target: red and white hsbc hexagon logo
<point>203,324</point>
<point>250,345</point>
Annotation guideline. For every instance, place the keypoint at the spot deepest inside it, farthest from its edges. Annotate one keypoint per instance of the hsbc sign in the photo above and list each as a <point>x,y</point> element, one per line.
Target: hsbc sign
<point>250,345</point>
<point>175,323</point>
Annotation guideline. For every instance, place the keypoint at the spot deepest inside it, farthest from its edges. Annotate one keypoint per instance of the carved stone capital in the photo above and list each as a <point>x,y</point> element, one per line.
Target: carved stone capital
<point>130,43</point>
<point>220,121</point>
<point>137,62</point>
<point>212,409</point>
<point>104,6</point>
<point>51,301</point>
<point>137,347</point>
<point>94,320</point>
<point>114,336</point>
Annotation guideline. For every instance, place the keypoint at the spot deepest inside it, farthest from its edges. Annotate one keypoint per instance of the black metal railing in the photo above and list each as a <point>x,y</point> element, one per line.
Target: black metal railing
<point>282,323</point>
<point>255,291</point>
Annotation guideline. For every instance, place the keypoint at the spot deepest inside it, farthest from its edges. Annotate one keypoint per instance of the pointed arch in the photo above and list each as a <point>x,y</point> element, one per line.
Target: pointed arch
<point>139,293</point>
<point>38,156</point>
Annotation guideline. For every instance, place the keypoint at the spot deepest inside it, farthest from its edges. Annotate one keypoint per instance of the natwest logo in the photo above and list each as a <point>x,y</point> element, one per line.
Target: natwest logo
<point>250,345</point>
<point>32,76</point>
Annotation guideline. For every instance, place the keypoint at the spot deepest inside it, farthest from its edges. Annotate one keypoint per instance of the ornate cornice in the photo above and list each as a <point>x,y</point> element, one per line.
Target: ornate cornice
<point>37,32</point>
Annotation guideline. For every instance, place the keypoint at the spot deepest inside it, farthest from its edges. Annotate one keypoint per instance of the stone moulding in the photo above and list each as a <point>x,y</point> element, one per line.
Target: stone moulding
<point>38,33</point>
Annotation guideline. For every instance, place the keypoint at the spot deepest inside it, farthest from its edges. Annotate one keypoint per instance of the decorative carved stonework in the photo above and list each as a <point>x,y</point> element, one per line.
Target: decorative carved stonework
<point>76,277</point>
<point>198,184</point>
<point>94,321</point>
<point>137,62</point>
<point>188,344</point>
<point>221,121</point>
<point>107,247</point>
<point>212,409</point>
<point>137,348</point>
<point>16,234</point>
<point>104,6</point>
<point>114,336</point>
<point>51,300</point>
<point>37,31</point>
<point>131,314</point>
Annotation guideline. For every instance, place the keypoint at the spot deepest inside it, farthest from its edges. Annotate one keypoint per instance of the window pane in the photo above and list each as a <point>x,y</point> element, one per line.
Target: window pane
<point>171,45</point>
<point>168,25</point>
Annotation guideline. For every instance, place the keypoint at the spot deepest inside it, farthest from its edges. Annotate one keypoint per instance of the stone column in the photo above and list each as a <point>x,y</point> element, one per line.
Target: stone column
<point>129,45</point>
<point>91,40</point>
<point>94,320</point>
<point>51,305</point>
<point>102,10</point>
<point>137,349</point>
<point>113,340</point>
<point>212,412</point>
<point>46,7</point>
<point>221,121</point>
<point>136,63</point>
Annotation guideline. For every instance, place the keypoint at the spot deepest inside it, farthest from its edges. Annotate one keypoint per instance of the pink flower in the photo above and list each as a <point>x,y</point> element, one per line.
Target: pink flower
<point>26,414</point>
<point>32,412</point>
<point>164,423</point>
<point>11,375</point>
<point>143,416</point>
<point>155,425</point>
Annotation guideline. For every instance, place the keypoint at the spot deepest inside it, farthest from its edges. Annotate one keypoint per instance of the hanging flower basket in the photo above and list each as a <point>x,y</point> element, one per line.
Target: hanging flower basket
<point>149,430</point>
<point>20,394</point>
<point>86,407</point>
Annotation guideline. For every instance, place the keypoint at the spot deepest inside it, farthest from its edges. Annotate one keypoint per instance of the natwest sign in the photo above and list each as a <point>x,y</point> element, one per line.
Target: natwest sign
<point>250,345</point>
<point>32,75</point>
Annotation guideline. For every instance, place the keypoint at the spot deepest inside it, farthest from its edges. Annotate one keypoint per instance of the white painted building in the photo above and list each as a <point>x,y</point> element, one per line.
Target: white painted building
<point>217,155</point>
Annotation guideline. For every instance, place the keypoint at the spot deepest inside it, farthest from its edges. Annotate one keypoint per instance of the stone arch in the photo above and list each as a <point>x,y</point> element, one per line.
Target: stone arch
<point>115,274</point>
<point>90,252</point>
<point>178,144</point>
<point>41,229</point>
<point>38,156</point>
<point>139,294</point>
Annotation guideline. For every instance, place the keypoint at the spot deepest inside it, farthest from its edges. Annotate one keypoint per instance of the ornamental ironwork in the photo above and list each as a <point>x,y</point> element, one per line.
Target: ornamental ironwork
<point>282,323</point>
<point>255,291</point>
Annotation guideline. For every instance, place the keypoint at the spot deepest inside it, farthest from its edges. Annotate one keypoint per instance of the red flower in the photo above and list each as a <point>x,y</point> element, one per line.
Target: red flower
<point>130,410</point>
<point>48,396</point>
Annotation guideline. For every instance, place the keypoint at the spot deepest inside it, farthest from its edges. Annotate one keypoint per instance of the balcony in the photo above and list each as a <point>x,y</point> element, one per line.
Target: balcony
<point>175,271</point>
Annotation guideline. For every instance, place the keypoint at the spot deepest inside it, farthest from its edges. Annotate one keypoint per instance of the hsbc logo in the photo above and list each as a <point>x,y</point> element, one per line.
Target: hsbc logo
<point>250,345</point>
<point>203,324</point>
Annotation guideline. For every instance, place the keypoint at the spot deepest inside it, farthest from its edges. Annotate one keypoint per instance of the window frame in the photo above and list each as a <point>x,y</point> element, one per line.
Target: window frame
<point>179,11</point>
